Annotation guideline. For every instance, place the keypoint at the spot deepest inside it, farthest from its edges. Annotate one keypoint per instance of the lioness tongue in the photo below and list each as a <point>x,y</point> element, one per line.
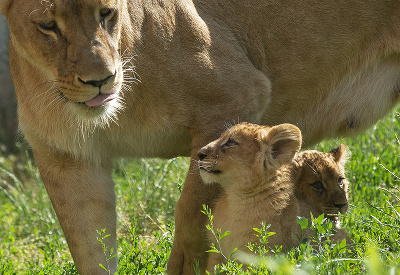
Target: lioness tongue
<point>100,99</point>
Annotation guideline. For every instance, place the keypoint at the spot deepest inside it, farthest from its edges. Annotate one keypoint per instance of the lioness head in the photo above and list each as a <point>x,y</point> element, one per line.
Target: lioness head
<point>248,153</point>
<point>321,182</point>
<point>74,48</point>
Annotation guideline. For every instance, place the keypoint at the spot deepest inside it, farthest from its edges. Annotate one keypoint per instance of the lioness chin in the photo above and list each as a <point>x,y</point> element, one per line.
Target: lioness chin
<point>101,79</point>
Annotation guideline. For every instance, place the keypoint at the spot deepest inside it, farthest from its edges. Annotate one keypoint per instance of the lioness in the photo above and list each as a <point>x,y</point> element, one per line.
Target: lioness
<point>101,79</point>
<point>245,162</point>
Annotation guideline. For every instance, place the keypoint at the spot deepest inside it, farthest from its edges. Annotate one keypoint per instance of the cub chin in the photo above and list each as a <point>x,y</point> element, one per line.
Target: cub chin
<point>245,161</point>
<point>321,185</point>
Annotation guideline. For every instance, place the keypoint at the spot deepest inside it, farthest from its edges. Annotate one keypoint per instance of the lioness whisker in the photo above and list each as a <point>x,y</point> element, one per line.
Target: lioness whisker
<point>45,96</point>
<point>128,77</point>
<point>45,83</point>
<point>129,73</point>
<point>56,100</point>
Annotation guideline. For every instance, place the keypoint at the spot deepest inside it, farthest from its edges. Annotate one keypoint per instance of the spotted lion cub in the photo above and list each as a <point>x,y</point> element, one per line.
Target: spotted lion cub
<point>321,185</point>
<point>245,161</point>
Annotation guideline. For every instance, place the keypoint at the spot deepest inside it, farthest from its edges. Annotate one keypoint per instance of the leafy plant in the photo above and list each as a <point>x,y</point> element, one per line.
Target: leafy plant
<point>231,266</point>
<point>32,241</point>
<point>108,253</point>
<point>316,252</point>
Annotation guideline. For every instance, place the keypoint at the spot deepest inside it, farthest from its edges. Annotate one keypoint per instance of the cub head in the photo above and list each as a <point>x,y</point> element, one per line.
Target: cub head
<point>73,51</point>
<point>248,154</point>
<point>321,182</point>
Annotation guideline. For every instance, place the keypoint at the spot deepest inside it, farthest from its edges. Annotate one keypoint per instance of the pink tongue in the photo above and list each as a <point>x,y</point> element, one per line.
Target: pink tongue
<point>100,99</point>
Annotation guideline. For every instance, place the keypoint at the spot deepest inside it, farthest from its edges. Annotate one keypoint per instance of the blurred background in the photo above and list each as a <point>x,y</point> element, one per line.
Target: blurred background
<point>8,105</point>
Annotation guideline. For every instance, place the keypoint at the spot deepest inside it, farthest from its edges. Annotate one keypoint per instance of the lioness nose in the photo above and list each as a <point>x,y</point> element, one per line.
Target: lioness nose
<point>96,83</point>
<point>201,155</point>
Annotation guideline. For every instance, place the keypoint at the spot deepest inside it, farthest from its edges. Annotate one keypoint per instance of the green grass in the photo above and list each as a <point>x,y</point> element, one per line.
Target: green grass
<point>147,190</point>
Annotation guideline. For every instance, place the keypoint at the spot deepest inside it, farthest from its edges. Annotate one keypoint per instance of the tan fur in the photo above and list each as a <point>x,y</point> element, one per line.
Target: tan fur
<point>180,71</point>
<point>255,190</point>
<point>245,162</point>
<point>321,185</point>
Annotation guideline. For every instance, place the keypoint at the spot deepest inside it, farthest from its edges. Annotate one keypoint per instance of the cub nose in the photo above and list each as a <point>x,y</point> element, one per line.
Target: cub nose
<point>201,155</point>
<point>339,205</point>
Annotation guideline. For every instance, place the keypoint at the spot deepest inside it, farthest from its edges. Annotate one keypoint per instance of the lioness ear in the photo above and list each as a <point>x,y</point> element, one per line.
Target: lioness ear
<point>282,142</point>
<point>340,154</point>
<point>4,6</point>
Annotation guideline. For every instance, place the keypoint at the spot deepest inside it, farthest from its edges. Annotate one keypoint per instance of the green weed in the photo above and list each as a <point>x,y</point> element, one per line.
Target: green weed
<point>32,241</point>
<point>316,254</point>
<point>108,252</point>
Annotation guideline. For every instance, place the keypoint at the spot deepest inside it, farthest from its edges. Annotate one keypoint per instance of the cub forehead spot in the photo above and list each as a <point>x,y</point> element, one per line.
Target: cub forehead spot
<point>318,164</point>
<point>243,132</point>
<point>320,160</point>
<point>246,127</point>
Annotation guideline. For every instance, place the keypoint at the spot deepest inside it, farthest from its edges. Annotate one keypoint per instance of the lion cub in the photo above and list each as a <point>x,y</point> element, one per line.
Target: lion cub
<point>245,162</point>
<point>262,182</point>
<point>321,185</point>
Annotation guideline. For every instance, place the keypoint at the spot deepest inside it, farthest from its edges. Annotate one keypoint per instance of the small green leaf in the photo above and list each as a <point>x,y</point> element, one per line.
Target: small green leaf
<point>258,230</point>
<point>103,267</point>
<point>233,251</point>
<point>224,235</point>
<point>342,244</point>
<point>320,219</point>
<point>303,222</point>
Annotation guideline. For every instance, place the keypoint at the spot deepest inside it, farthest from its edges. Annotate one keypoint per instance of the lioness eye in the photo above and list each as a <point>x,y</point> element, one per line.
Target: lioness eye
<point>105,12</point>
<point>318,185</point>
<point>49,26</point>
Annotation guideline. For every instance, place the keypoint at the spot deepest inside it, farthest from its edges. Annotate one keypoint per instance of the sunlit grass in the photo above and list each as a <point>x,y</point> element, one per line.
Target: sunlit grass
<point>147,190</point>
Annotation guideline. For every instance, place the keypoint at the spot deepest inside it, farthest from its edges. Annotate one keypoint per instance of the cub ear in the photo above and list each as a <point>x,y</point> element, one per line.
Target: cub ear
<point>340,154</point>
<point>282,142</point>
<point>4,6</point>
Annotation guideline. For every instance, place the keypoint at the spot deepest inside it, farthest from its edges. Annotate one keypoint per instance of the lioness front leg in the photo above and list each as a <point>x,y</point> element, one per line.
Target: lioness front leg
<point>83,198</point>
<point>190,241</point>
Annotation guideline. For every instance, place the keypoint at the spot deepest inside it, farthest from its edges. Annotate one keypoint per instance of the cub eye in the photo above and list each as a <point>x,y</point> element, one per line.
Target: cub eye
<point>48,26</point>
<point>341,182</point>
<point>231,142</point>
<point>318,185</point>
